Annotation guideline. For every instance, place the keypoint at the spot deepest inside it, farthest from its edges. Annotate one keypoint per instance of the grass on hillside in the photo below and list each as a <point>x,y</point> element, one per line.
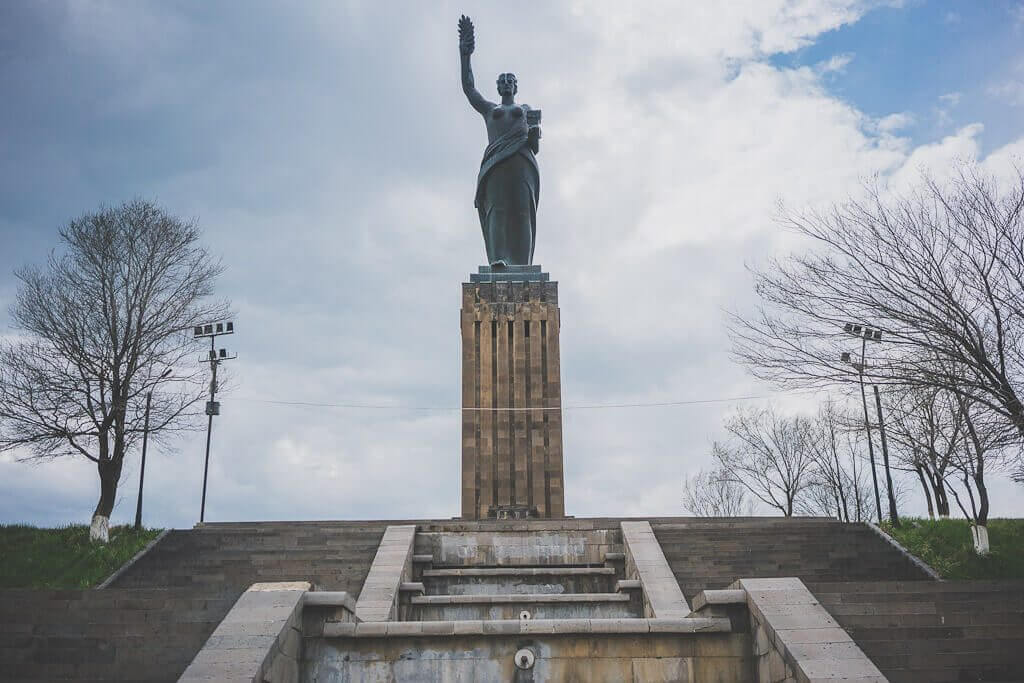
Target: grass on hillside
<point>31,557</point>
<point>947,547</point>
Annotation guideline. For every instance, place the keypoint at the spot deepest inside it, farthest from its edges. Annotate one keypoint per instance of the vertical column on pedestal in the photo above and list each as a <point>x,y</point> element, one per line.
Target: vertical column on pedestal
<point>553,403</point>
<point>503,313</point>
<point>535,402</point>
<point>470,400</point>
<point>511,396</point>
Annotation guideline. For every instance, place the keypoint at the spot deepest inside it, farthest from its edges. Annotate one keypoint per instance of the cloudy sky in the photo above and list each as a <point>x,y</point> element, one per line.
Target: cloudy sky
<point>330,156</point>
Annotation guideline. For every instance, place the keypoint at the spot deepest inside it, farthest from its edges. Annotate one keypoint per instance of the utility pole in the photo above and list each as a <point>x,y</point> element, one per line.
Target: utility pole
<point>867,334</point>
<point>856,331</point>
<point>211,330</point>
<point>145,438</point>
<point>142,468</point>
<point>894,517</point>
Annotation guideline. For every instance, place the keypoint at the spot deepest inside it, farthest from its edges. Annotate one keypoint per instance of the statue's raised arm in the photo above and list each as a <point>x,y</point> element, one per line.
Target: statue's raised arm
<point>467,42</point>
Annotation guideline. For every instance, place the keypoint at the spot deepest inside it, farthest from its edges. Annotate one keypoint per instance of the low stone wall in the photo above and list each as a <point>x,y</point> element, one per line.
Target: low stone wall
<point>645,561</point>
<point>392,565</point>
<point>796,640</point>
<point>259,640</point>
<point>595,658</point>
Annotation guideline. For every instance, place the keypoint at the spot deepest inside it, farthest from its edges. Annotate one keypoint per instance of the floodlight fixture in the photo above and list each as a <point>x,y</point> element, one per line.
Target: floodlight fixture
<point>845,357</point>
<point>214,329</point>
<point>877,335</point>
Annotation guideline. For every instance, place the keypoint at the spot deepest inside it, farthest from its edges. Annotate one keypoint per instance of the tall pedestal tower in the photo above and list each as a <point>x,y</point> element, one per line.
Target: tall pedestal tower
<point>511,396</point>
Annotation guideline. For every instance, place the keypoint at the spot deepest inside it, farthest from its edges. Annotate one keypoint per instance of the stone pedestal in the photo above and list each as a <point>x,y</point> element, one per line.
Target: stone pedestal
<point>511,396</point>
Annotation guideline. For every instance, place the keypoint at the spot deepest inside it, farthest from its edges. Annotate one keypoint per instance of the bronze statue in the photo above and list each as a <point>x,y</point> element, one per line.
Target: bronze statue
<point>508,185</point>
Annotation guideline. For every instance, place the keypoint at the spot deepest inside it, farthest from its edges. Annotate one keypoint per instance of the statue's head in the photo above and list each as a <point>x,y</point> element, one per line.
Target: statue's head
<point>507,84</point>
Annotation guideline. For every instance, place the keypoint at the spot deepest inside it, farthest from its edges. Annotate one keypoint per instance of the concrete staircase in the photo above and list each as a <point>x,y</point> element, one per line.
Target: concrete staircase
<point>934,632</point>
<point>331,555</point>
<point>712,553</point>
<point>156,615</point>
<point>118,634</point>
<point>559,576</point>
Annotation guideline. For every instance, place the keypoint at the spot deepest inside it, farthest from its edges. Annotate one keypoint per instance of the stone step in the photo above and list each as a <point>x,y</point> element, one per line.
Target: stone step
<point>525,598</point>
<point>519,580</point>
<point>512,606</point>
<point>519,571</point>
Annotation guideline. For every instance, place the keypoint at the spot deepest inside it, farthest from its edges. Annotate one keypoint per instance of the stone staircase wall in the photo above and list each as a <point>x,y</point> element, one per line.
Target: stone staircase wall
<point>934,632</point>
<point>708,554</point>
<point>112,634</point>
<point>331,555</point>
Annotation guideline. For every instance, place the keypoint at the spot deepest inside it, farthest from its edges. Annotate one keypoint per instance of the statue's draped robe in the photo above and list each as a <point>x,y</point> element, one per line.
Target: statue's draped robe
<point>507,192</point>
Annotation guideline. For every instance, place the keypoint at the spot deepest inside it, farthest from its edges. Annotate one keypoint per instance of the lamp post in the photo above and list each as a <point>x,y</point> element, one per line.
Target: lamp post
<point>214,358</point>
<point>868,334</point>
<point>142,467</point>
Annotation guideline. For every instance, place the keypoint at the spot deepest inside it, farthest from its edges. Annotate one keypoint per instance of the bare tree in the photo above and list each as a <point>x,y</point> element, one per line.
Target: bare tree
<point>926,428</point>
<point>769,455</point>
<point>713,494</point>
<point>940,271</point>
<point>106,322</point>
<point>839,486</point>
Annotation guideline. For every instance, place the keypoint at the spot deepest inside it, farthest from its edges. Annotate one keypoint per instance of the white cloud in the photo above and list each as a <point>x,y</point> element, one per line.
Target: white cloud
<point>1012,91</point>
<point>951,99</point>
<point>895,122</point>
<point>836,64</point>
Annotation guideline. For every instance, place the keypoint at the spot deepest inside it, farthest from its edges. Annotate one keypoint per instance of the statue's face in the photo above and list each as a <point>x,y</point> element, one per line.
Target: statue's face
<point>507,84</point>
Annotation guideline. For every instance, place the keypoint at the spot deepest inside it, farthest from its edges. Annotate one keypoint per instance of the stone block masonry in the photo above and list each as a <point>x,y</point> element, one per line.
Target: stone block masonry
<point>511,396</point>
<point>646,562</point>
<point>391,566</point>
<point>259,640</point>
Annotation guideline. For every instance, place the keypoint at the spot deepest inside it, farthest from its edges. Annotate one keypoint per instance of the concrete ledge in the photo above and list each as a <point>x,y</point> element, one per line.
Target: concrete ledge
<point>914,559</point>
<point>514,598</point>
<point>138,556</point>
<point>378,600</point>
<point>395,629</point>
<point>259,639</point>
<point>796,639</point>
<point>645,560</point>
<point>628,585</point>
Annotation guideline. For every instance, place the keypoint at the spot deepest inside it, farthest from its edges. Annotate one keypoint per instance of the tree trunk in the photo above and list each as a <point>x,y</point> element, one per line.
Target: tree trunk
<point>941,499</point>
<point>839,486</point>
<point>927,493</point>
<point>979,482</point>
<point>110,475</point>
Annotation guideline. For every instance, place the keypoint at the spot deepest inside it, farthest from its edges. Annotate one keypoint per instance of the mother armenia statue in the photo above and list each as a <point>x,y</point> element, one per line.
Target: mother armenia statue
<point>508,185</point>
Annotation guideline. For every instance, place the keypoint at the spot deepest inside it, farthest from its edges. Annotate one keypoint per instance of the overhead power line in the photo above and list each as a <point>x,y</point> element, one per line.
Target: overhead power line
<point>595,406</point>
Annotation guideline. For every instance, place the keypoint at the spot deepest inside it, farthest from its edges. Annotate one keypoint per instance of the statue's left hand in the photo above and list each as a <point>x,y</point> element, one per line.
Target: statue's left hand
<point>467,41</point>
